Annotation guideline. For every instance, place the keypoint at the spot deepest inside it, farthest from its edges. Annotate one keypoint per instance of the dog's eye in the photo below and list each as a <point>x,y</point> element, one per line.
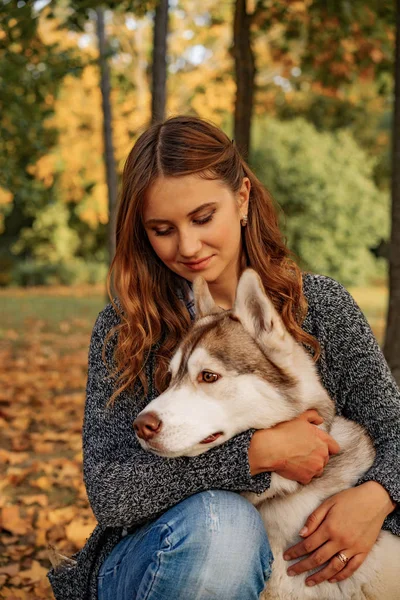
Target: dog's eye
<point>209,377</point>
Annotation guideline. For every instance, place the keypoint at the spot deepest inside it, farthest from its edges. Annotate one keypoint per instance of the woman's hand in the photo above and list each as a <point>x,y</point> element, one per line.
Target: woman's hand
<point>295,449</point>
<point>348,522</point>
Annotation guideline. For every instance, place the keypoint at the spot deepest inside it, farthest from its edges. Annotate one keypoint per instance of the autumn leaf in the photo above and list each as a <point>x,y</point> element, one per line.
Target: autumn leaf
<point>78,531</point>
<point>35,573</point>
<point>12,522</point>
<point>10,569</point>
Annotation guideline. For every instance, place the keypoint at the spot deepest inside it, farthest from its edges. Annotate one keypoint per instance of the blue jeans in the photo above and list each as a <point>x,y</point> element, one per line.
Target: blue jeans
<point>210,546</point>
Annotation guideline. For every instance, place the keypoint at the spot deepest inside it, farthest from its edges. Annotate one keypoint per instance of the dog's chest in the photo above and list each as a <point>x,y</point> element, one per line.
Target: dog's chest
<point>283,517</point>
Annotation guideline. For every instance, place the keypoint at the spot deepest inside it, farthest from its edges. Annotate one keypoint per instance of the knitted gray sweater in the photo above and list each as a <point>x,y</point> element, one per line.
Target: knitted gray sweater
<point>127,486</point>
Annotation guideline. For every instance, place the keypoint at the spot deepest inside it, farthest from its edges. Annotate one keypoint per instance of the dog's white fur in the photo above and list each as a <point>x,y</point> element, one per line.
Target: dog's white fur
<point>191,410</point>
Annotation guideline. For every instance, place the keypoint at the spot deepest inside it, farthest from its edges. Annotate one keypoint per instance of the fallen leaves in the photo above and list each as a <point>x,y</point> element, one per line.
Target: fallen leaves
<point>42,496</point>
<point>12,522</point>
<point>35,573</point>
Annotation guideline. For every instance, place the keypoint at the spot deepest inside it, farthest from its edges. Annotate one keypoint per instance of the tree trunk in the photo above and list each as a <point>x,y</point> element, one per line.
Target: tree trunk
<point>142,86</point>
<point>392,341</point>
<point>245,71</point>
<point>111,172</point>
<point>159,69</point>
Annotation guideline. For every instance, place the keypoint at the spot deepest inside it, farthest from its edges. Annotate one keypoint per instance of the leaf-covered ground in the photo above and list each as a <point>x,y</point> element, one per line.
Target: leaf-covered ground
<point>44,337</point>
<point>43,355</point>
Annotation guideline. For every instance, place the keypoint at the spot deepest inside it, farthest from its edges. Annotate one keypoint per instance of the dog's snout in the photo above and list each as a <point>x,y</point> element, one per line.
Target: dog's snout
<point>147,425</point>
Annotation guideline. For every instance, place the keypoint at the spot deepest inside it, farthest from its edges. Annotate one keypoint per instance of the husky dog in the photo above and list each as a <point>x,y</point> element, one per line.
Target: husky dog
<point>240,369</point>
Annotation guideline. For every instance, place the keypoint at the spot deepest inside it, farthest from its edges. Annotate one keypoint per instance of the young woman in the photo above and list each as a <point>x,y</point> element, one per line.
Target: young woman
<point>175,528</point>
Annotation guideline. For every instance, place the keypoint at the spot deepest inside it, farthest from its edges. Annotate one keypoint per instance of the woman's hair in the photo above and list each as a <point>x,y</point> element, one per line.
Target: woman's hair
<point>152,312</point>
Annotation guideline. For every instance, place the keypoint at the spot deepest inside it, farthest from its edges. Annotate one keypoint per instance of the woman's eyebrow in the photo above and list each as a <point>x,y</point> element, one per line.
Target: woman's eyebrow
<point>192,212</point>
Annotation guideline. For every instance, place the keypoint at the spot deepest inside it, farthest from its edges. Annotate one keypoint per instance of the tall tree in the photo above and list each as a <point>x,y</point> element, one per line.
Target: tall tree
<point>78,14</point>
<point>31,71</point>
<point>109,159</point>
<point>245,71</point>
<point>392,339</point>
<point>159,67</point>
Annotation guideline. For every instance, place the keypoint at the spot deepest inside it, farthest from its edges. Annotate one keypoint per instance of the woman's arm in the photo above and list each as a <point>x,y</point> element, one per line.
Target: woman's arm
<point>366,391</point>
<point>125,484</point>
<point>356,373</point>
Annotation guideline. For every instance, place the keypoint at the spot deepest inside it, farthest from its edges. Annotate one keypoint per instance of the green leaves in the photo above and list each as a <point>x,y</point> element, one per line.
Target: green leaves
<point>31,73</point>
<point>332,211</point>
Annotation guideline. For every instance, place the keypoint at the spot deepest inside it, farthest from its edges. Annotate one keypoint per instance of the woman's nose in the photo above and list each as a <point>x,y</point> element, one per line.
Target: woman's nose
<point>189,246</point>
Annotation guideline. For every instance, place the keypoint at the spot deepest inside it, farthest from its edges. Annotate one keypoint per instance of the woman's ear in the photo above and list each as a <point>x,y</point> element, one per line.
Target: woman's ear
<point>244,195</point>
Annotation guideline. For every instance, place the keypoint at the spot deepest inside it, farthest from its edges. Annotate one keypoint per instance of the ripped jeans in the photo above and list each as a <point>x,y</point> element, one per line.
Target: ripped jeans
<point>210,546</point>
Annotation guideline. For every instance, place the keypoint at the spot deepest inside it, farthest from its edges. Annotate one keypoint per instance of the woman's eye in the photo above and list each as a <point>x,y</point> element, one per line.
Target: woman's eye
<point>205,220</point>
<point>198,222</point>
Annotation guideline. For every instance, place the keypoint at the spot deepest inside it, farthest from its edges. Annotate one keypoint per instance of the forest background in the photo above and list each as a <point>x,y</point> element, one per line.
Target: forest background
<point>306,88</point>
<point>320,131</point>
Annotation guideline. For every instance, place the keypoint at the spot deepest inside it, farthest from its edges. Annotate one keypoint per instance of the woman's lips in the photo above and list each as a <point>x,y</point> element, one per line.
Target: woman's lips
<point>201,265</point>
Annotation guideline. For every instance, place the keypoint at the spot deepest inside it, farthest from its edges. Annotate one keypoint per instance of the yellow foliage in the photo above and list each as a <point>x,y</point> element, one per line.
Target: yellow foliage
<point>49,31</point>
<point>94,209</point>
<point>208,88</point>
<point>298,7</point>
<point>5,196</point>
<point>127,117</point>
<point>80,149</point>
<point>78,117</point>
<point>44,169</point>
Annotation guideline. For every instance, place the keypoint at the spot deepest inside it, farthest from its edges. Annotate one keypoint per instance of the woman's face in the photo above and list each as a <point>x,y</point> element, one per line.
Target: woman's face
<point>182,229</point>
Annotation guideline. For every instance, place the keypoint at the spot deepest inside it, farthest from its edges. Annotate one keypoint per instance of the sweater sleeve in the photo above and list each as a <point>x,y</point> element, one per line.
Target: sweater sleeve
<point>366,390</point>
<point>127,485</point>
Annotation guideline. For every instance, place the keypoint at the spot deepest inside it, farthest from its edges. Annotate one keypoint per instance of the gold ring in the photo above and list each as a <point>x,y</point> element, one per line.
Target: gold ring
<point>342,557</point>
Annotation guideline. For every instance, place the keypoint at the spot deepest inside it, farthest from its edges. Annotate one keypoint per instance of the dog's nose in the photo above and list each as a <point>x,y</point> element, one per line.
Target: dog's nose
<point>147,425</point>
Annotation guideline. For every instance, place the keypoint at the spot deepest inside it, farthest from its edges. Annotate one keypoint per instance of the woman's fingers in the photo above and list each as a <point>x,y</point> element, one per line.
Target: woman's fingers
<point>315,520</point>
<point>333,569</point>
<point>307,546</point>
<point>318,558</point>
<point>333,446</point>
<point>312,416</point>
<point>351,567</point>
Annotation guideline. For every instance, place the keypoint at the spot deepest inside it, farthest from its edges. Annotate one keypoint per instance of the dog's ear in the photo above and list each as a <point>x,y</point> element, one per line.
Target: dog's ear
<point>258,314</point>
<point>203,301</point>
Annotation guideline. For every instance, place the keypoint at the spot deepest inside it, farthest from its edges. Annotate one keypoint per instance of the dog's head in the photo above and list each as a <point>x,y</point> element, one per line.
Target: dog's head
<point>234,370</point>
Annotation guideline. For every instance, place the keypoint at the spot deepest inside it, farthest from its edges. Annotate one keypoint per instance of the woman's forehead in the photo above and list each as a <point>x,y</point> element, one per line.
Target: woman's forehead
<point>184,194</point>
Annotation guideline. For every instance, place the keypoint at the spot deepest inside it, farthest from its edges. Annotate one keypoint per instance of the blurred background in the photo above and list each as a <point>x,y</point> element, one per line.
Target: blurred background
<point>306,88</point>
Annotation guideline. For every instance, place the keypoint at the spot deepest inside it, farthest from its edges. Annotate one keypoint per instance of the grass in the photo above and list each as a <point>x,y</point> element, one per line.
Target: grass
<point>50,310</point>
<point>64,309</point>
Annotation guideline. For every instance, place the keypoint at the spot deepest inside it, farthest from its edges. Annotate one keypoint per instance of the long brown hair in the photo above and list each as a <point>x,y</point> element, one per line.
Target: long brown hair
<point>150,310</point>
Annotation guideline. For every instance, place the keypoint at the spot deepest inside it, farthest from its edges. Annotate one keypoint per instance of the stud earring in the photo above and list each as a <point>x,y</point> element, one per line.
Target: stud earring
<point>243,220</point>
